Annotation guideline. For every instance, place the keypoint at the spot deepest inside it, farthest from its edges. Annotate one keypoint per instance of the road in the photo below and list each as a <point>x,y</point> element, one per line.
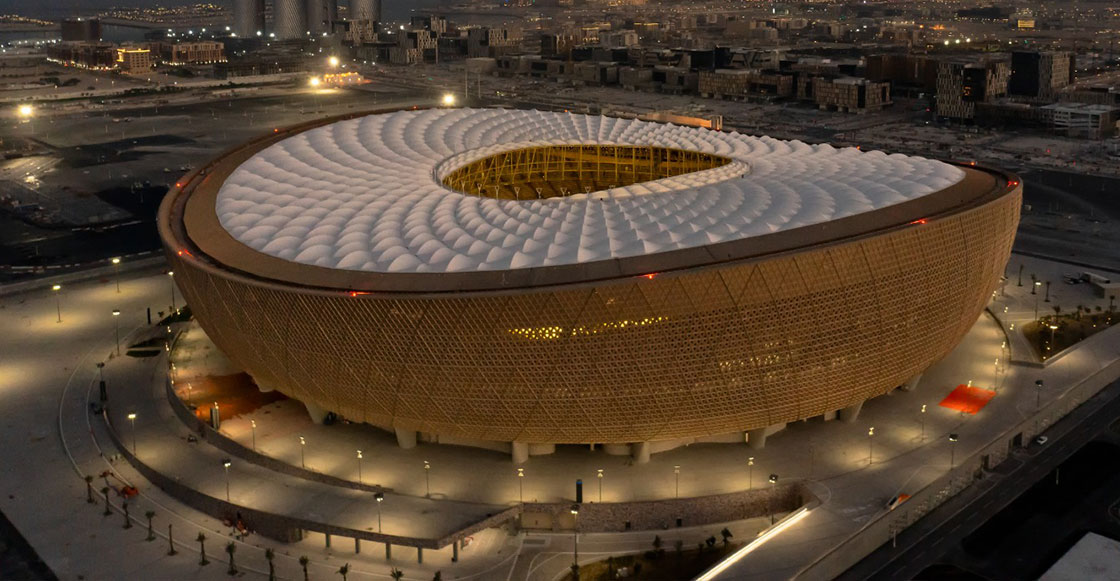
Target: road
<point>941,530</point>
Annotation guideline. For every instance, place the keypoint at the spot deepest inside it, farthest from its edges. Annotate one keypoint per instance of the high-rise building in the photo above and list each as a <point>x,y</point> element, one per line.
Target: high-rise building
<point>365,10</point>
<point>963,84</point>
<point>81,30</point>
<point>289,19</point>
<point>248,17</point>
<point>1039,75</point>
<point>320,14</point>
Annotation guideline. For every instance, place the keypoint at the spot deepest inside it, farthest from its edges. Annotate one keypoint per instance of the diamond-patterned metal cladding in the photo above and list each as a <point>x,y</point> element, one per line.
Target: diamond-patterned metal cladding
<point>699,351</point>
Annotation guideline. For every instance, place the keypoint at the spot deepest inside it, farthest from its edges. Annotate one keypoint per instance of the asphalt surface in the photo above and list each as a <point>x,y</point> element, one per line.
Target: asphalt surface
<point>942,530</point>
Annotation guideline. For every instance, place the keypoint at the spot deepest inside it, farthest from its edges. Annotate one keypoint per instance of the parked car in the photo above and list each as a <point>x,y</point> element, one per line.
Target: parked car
<point>1041,440</point>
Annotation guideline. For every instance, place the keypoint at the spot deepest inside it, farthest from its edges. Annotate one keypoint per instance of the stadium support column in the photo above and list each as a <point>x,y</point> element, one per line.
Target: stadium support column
<point>912,384</point>
<point>520,452</point>
<point>851,413</point>
<point>406,439</point>
<point>639,451</point>
<point>317,413</point>
<point>756,438</point>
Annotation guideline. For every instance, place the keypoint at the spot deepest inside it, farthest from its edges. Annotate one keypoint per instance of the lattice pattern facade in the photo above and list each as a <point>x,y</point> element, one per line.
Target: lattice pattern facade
<point>707,351</point>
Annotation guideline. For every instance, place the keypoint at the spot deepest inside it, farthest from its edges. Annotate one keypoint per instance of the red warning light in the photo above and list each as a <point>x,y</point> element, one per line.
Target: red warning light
<point>919,221</point>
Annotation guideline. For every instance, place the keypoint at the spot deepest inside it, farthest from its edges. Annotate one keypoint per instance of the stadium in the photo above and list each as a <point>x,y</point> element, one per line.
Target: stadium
<point>521,279</point>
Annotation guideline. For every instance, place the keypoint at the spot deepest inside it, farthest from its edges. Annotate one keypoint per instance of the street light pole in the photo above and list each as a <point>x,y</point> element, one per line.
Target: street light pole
<point>600,477</point>
<point>302,457</point>
<point>57,301</point>
<point>575,537</point>
<point>117,321</point>
<point>870,445</point>
<point>226,464</point>
<point>1036,285</point>
<point>252,424</point>
<point>171,278</point>
<point>923,422</point>
<point>359,466</point>
<point>773,493</point>
<point>952,451</point>
<point>117,273</point>
<point>677,477</point>
<point>427,479</point>
<point>1037,394</point>
<point>521,485</point>
<point>132,420</point>
<point>750,473</point>
<point>380,496</point>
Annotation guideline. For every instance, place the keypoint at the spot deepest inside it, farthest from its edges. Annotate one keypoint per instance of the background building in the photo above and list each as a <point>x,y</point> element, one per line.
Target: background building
<point>289,19</point>
<point>248,18</point>
<point>81,30</point>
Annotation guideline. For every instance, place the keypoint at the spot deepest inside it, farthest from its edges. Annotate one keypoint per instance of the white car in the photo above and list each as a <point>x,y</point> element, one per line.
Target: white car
<point>1041,440</point>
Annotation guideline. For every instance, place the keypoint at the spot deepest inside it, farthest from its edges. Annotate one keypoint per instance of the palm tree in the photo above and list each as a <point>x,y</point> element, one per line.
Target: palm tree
<point>438,576</point>
<point>150,515</point>
<point>575,571</point>
<point>396,574</point>
<point>202,548</point>
<point>105,492</point>
<point>268,555</point>
<point>89,489</point>
<point>303,561</point>
<point>127,521</point>
<point>726,534</point>
<point>230,548</point>
<point>170,542</point>
<point>344,571</point>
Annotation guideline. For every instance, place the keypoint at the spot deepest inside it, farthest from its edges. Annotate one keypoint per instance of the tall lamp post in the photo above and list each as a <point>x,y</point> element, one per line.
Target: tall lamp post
<point>57,301</point>
<point>952,451</point>
<point>302,457</point>
<point>521,485</point>
<point>171,279</point>
<point>773,493</point>
<point>923,422</point>
<point>427,479</point>
<point>359,466</point>
<point>750,473</point>
<point>677,478</point>
<point>1037,284</point>
<point>226,464</point>
<point>870,445</point>
<point>132,421</point>
<point>252,425</point>
<point>599,475</point>
<point>575,537</point>
<point>380,496</point>
<point>1037,394</point>
<point>117,273</point>
<point>117,321</point>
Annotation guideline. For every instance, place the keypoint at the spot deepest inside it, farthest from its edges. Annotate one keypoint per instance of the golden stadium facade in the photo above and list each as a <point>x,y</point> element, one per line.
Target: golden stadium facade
<point>418,270</point>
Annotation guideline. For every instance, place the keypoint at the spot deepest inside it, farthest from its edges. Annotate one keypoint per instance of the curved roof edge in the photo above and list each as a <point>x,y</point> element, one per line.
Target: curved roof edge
<point>189,225</point>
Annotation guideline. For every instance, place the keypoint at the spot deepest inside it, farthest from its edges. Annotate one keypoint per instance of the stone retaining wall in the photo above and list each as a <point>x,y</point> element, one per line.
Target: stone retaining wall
<point>663,514</point>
